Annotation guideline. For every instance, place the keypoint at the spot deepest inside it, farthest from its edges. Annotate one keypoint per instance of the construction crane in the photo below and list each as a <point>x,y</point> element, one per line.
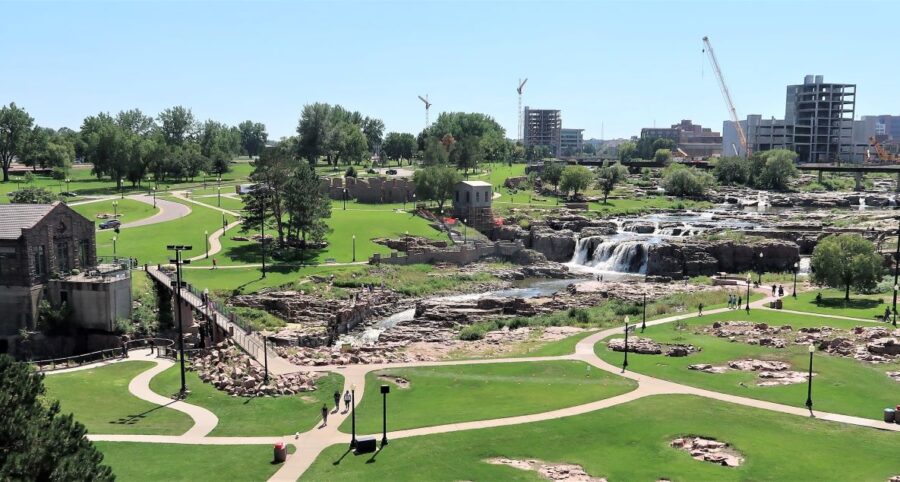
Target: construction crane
<point>519,89</point>
<point>881,154</point>
<point>427,107</point>
<point>742,136</point>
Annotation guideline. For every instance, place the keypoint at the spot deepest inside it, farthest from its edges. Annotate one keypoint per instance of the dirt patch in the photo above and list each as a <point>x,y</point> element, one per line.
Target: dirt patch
<point>559,472</point>
<point>894,376</point>
<point>709,450</point>
<point>401,382</point>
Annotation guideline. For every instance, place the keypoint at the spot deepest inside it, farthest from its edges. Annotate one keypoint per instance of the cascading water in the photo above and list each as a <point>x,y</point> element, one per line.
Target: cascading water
<point>624,256</point>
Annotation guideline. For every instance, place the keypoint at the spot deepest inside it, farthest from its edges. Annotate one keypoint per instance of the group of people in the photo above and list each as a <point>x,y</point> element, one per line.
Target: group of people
<point>337,405</point>
<point>734,301</point>
<point>778,289</point>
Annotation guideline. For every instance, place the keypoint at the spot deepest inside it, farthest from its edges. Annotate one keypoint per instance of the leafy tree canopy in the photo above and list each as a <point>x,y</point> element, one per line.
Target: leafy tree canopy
<point>847,261</point>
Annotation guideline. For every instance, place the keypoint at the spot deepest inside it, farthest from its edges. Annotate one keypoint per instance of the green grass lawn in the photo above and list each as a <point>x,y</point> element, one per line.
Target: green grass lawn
<point>565,346</point>
<point>228,203</point>
<point>250,280</point>
<point>833,303</point>
<point>129,210</point>
<point>242,416</point>
<point>100,400</point>
<point>631,442</point>
<point>131,461</point>
<point>448,394</point>
<point>841,385</point>
<point>148,243</point>
<point>366,222</point>
<point>650,203</point>
<point>84,183</point>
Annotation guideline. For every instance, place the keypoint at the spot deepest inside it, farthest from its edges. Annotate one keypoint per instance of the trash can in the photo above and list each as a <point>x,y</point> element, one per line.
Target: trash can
<point>889,414</point>
<point>280,452</point>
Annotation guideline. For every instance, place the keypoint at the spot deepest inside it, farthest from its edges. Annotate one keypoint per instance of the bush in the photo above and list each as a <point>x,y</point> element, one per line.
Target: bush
<point>682,181</point>
<point>580,315</point>
<point>473,332</point>
<point>350,172</point>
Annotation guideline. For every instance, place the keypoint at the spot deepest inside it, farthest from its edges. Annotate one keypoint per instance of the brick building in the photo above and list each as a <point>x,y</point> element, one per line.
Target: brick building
<point>48,251</point>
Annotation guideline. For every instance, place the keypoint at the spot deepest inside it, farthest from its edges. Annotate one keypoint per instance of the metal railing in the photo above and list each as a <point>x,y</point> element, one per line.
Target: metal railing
<point>163,345</point>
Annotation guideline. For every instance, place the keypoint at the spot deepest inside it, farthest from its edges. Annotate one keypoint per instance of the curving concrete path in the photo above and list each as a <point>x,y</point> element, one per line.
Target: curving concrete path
<point>168,211</point>
<point>312,442</point>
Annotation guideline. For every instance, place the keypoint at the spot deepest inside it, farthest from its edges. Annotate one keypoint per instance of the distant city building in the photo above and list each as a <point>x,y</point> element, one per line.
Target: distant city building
<point>692,140</point>
<point>543,127</point>
<point>571,141</point>
<point>48,252</point>
<point>818,125</point>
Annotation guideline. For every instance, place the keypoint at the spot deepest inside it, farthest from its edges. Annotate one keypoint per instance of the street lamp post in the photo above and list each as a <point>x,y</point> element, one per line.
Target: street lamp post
<point>465,231</point>
<point>178,261</point>
<point>208,319</point>
<point>115,209</point>
<point>67,185</point>
<point>644,317</point>
<point>122,188</point>
<point>262,232</point>
<point>896,288</point>
<point>354,248</point>
<point>345,198</point>
<point>224,224</point>
<point>385,389</point>
<point>748,293</point>
<point>625,361</point>
<point>206,239</point>
<point>796,269</point>
<point>266,358</point>
<point>219,189</point>
<point>759,280</point>
<point>809,402</point>
<point>154,197</point>
<point>353,416</point>
<point>114,239</point>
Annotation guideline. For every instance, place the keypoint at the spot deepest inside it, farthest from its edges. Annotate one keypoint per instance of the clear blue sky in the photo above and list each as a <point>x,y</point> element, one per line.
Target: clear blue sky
<point>622,65</point>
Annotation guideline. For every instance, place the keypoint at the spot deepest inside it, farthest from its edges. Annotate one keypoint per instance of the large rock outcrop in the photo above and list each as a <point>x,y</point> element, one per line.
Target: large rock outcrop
<point>697,257</point>
<point>555,245</point>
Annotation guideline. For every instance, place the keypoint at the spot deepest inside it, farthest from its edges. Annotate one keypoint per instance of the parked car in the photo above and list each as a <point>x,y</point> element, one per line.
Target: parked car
<point>110,223</point>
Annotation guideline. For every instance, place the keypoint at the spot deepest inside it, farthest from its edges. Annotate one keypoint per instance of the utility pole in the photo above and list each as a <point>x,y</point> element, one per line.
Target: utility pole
<point>176,287</point>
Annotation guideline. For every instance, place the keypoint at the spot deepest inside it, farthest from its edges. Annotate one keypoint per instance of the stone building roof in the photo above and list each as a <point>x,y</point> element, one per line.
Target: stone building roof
<point>475,183</point>
<point>16,217</point>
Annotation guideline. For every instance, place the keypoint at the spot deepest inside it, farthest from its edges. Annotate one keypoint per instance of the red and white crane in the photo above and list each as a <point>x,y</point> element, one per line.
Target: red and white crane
<point>742,136</point>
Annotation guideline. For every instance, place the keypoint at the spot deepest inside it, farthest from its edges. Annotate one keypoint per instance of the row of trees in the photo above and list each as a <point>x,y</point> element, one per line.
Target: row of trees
<point>772,169</point>
<point>465,139</point>
<point>578,178</point>
<point>129,145</point>
<point>337,134</point>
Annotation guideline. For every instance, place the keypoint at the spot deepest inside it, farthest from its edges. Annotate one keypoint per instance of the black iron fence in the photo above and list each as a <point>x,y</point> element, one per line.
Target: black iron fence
<point>161,346</point>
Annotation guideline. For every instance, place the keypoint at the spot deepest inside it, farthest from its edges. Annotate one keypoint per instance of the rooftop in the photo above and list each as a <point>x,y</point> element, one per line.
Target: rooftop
<point>16,217</point>
<point>476,183</point>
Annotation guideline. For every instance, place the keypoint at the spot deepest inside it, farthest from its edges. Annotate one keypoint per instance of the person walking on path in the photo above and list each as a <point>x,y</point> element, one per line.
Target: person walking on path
<point>773,290</point>
<point>214,264</point>
<point>337,401</point>
<point>347,401</point>
<point>740,301</point>
<point>700,309</point>
<point>780,291</point>
<point>324,415</point>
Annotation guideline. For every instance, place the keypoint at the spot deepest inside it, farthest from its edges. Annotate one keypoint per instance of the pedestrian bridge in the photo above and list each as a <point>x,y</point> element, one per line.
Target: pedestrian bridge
<point>225,323</point>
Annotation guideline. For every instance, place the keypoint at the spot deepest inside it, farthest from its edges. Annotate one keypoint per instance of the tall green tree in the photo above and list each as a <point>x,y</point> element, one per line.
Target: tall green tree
<point>847,261</point>
<point>398,146</point>
<point>575,179</point>
<point>178,125</point>
<point>36,441</point>
<point>679,180</point>
<point>779,169</point>
<point>107,146</point>
<point>552,173</point>
<point>663,156</point>
<point>15,128</point>
<point>136,122</point>
<point>312,130</point>
<point>435,153</point>
<point>266,201</point>
<point>436,183</point>
<point>732,170</point>
<point>608,177</point>
<point>467,153</point>
<point>627,151</point>
<point>373,130</point>
<point>253,137</point>
<point>307,206</point>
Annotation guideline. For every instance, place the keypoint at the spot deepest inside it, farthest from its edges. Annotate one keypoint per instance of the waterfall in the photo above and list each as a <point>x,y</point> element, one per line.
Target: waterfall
<point>628,256</point>
<point>862,203</point>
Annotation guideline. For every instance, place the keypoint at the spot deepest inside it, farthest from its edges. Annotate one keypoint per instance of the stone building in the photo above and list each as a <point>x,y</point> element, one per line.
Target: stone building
<point>472,203</point>
<point>372,190</point>
<point>48,252</point>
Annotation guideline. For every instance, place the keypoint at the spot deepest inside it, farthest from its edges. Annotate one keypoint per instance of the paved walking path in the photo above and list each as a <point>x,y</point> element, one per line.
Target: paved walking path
<point>168,211</point>
<point>215,245</point>
<point>311,443</point>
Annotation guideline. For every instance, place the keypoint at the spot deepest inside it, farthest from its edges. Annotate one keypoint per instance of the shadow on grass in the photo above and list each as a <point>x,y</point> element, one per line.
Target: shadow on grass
<point>133,419</point>
<point>841,303</point>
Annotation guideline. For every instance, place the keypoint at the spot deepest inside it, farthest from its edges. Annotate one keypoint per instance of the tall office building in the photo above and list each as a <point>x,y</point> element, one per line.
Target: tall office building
<point>543,127</point>
<point>818,125</point>
<point>571,141</point>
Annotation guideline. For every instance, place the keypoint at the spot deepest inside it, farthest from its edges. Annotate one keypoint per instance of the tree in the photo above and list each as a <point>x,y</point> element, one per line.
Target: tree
<point>589,149</point>
<point>267,199</point>
<point>15,127</point>
<point>435,153</point>
<point>345,141</point>
<point>681,181</point>
<point>732,170</point>
<point>495,147</point>
<point>627,151</point>
<point>312,130</point>
<point>663,156</point>
<point>306,206</point>
<point>107,146</point>
<point>36,442</point>
<point>552,173</point>
<point>253,137</point>
<point>575,178</point>
<point>608,177</point>
<point>779,169</point>
<point>845,261</point>
<point>436,183</point>
<point>218,144</point>
<point>136,122</point>
<point>32,195</point>
<point>373,130</point>
<point>398,146</point>
<point>467,153</point>
<point>177,125</point>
